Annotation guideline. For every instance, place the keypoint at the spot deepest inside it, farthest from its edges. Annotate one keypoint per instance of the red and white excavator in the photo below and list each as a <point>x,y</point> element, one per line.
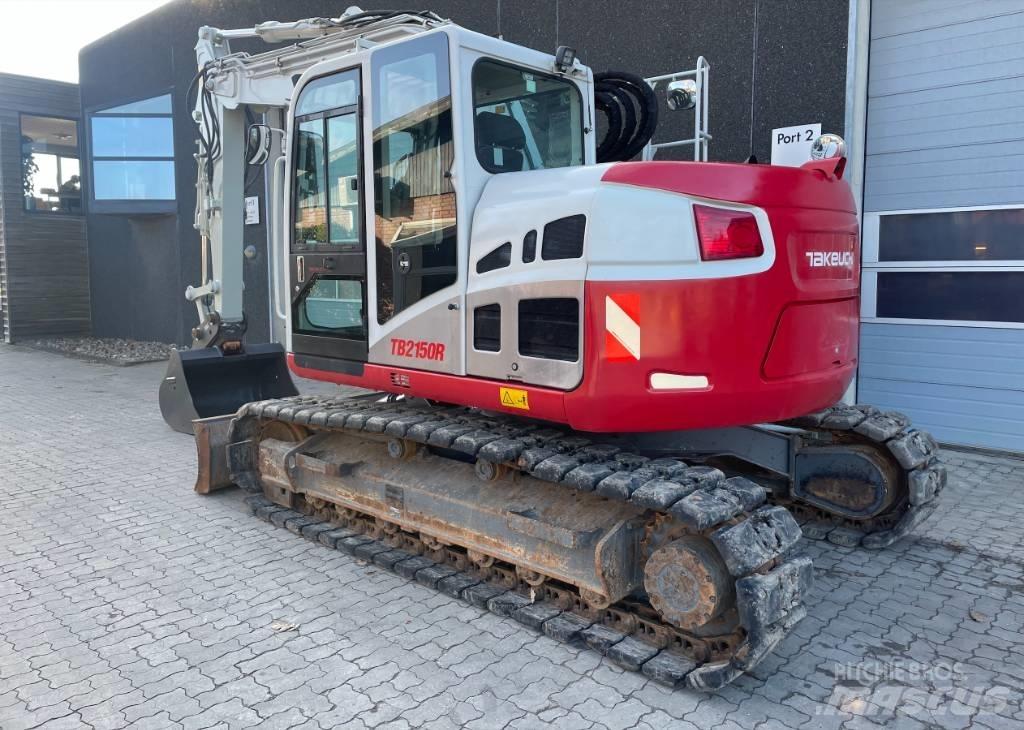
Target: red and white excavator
<point>602,394</point>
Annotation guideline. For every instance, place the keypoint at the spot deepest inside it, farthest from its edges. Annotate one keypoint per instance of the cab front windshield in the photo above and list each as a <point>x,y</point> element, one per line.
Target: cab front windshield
<point>525,120</point>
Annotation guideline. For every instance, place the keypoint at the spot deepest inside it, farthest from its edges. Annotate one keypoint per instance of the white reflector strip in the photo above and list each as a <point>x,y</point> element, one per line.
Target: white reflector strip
<point>671,381</point>
<point>622,327</point>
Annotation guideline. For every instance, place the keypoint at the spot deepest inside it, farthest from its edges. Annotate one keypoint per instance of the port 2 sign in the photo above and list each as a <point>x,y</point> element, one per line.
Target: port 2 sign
<point>791,146</point>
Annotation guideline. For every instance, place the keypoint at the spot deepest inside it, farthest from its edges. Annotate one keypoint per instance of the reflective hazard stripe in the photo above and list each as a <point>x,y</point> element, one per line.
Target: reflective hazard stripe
<point>620,325</point>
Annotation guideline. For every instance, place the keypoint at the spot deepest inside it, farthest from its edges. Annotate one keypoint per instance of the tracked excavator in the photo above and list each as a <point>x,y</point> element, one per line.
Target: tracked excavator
<point>602,396</point>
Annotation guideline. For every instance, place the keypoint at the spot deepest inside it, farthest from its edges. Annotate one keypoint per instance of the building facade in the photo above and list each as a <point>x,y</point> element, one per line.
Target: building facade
<point>143,249</point>
<point>942,334</point>
<point>44,283</point>
<point>928,93</point>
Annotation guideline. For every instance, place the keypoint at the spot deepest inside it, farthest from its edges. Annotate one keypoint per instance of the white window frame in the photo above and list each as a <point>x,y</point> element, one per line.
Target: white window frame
<point>871,266</point>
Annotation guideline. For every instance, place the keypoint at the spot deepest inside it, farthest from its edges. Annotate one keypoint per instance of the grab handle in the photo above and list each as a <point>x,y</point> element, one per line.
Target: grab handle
<point>276,238</point>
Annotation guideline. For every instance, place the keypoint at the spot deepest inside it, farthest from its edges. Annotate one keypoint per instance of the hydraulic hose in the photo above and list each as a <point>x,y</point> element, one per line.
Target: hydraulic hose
<point>631,108</point>
<point>621,114</point>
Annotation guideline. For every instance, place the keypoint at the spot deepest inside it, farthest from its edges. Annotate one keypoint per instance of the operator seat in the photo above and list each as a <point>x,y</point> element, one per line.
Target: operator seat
<point>500,142</point>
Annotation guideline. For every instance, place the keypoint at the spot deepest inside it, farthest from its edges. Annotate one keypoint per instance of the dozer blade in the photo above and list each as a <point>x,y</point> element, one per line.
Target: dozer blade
<point>205,382</point>
<point>212,438</point>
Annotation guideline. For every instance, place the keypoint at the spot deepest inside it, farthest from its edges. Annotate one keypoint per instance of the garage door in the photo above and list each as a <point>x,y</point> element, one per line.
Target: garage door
<point>943,298</point>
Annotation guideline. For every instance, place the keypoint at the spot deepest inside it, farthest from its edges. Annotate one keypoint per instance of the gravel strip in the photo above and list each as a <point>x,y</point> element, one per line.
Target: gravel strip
<point>110,350</point>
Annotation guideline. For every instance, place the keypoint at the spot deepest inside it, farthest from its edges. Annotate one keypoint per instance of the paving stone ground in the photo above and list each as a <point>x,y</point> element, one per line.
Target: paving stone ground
<point>126,600</point>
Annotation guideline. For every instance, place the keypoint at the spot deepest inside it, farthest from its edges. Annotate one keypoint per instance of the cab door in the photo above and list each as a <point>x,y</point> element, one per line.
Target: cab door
<point>327,254</point>
<point>418,283</point>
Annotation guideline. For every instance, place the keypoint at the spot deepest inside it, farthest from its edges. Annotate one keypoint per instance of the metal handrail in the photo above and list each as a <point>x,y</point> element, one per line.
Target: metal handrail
<point>701,137</point>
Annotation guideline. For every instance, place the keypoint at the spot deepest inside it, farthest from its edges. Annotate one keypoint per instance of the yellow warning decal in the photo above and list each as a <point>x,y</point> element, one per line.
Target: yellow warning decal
<point>515,398</point>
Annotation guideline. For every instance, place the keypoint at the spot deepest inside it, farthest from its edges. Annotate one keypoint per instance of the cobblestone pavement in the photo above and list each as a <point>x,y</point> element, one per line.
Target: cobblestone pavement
<point>128,600</point>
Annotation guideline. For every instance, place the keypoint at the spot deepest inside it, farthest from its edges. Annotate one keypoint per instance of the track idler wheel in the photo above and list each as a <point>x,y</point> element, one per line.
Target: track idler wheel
<point>282,431</point>
<point>688,582</point>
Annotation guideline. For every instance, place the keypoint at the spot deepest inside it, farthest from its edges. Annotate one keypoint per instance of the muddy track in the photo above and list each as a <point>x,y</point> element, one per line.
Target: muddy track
<point>753,540</point>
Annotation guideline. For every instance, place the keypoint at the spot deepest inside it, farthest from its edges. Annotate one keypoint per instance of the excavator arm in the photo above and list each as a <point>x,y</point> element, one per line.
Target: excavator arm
<point>220,372</point>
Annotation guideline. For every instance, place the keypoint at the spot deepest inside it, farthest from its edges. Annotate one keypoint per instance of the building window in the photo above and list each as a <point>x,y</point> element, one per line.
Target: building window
<point>132,153</point>
<point>51,179</point>
<point>958,267</point>
<point>961,235</point>
<point>965,296</point>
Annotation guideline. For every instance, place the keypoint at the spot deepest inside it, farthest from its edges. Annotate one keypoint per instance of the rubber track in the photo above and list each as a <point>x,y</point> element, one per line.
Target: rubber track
<point>755,540</point>
<point>916,454</point>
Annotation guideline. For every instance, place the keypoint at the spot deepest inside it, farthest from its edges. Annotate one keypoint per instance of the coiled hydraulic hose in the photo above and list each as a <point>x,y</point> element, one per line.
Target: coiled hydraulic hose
<point>631,109</point>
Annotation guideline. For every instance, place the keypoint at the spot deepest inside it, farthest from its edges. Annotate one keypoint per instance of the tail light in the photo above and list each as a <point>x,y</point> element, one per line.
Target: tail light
<point>727,234</point>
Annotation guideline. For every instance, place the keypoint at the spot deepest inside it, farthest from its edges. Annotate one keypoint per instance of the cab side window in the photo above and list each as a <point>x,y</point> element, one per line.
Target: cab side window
<point>326,207</point>
<point>416,250</point>
<point>525,120</point>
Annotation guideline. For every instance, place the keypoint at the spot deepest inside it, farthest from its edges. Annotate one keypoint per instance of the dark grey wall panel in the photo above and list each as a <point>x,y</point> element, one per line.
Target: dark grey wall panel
<point>799,68</point>
<point>761,52</point>
<point>767,70</point>
<point>44,280</point>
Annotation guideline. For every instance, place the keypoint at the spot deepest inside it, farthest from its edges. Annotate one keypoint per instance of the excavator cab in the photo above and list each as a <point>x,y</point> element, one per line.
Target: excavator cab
<point>386,148</point>
<point>390,154</point>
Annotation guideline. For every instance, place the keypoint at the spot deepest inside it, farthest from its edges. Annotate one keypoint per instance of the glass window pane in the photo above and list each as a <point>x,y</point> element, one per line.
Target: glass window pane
<point>49,161</point>
<point>333,306</point>
<point>415,226</point>
<point>525,120</point>
<point>50,134</point>
<point>156,105</point>
<point>310,185</point>
<point>982,296</point>
<point>967,235</point>
<point>342,176</point>
<point>132,137</point>
<point>41,182</point>
<point>69,169</point>
<point>133,180</point>
<point>70,191</point>
<point>329,92</point>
